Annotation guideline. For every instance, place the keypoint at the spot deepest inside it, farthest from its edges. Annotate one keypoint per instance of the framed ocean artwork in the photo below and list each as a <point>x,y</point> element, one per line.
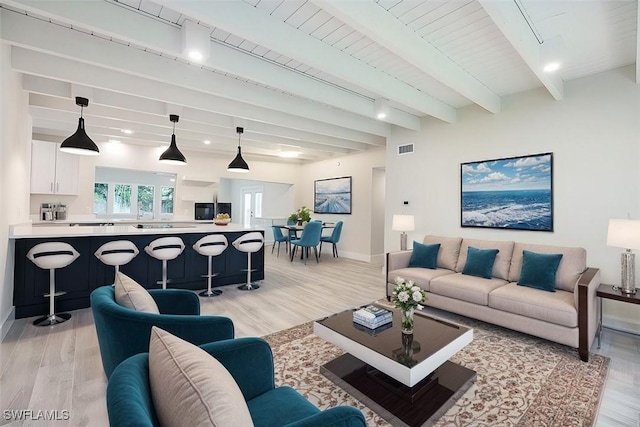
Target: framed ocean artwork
<point>508,193</point>
<point>332,196</point>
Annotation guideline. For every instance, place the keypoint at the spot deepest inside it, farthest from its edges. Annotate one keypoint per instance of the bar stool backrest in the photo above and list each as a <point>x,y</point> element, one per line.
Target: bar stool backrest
<point>50,255</point>
<point>165,248</point>
<point>211,245</point>
<point>249,242</point>
<point>117,252</point>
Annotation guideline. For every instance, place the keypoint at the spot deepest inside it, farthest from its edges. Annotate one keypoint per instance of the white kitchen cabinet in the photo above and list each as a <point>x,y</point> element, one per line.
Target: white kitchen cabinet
<point>52,171</point>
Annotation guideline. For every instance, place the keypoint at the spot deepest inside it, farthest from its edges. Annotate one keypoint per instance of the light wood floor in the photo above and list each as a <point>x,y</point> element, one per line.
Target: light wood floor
<point>59,368</point>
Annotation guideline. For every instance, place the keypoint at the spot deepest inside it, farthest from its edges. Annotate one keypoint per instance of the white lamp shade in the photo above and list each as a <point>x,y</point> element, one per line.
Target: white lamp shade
<point>624,233</point>
<point>403,223</point>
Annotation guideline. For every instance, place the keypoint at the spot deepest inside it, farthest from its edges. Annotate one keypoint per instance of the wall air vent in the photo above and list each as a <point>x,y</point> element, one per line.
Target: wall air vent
<point>405,149</point>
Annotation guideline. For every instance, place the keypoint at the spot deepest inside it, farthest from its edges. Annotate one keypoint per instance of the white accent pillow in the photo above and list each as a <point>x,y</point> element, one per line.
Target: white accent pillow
<point>131,295</point>
<point>190,387</point>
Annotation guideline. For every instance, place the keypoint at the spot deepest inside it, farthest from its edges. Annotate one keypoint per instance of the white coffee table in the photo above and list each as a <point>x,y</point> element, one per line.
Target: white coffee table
<point>415,369</point>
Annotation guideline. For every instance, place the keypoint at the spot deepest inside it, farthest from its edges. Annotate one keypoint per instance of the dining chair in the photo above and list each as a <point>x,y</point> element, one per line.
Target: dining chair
<point>310,238</point>
<point>333,238</point>
<point>278,238</point>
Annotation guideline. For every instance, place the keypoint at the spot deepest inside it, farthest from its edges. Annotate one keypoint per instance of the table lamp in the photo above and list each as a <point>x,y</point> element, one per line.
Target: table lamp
<point>403,223</point>
<point>625,233</point>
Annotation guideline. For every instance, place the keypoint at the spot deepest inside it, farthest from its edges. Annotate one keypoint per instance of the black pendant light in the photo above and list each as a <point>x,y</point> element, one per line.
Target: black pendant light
<point>172,155</point>
<point>79,142</point>
<point>238,164</point>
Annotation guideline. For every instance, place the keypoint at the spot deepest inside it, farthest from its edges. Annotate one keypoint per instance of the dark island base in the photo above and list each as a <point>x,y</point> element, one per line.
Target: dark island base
<point>445,386</point>
<point>87,273</point>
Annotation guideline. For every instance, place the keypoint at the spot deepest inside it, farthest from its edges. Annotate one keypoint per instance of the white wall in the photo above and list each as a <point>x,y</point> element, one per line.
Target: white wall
<point>15,157</point>
<point>356,238</point>
<point>594,136</point>
<point>377,214</point>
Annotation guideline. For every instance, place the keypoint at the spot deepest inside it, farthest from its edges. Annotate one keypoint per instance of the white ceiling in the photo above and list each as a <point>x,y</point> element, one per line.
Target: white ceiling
<point>297,73</point>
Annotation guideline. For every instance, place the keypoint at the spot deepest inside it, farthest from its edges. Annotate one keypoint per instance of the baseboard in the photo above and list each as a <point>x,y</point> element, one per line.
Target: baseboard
<point>6,325</point>
<point>621,324</point>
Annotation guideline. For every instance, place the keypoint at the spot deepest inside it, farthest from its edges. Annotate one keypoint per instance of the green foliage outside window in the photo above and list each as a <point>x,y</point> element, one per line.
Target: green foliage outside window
<point>100,197</point>
<point>122,198</point>
<point>166,194</point>
<point>145,198</point>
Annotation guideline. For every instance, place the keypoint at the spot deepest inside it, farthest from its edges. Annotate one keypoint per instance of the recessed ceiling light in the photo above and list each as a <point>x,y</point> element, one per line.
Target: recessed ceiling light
<point>289,154</point>
<point>551,67</point>
<point>126,131</point>
<point>195,55</point>
<point>206,141</point>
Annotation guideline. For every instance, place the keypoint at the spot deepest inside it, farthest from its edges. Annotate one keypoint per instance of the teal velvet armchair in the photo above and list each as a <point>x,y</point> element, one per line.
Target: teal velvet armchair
<point>250,362</point>
<point>123,332</point>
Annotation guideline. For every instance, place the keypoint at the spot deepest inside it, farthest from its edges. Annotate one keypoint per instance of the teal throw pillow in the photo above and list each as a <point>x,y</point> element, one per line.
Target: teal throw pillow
<point>425,256</point>
<point>539,270</point>
<point>480,262</point>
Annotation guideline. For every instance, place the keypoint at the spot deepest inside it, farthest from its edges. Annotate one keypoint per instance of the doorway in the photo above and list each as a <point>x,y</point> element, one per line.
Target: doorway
<point>251,205</point>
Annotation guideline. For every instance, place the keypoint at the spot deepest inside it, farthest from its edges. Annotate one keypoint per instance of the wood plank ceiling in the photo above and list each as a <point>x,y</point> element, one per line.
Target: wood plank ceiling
<point>299,75</point>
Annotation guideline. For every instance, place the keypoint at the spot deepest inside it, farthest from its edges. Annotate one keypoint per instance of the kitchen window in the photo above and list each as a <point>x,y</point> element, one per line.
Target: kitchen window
<point>122,193</point>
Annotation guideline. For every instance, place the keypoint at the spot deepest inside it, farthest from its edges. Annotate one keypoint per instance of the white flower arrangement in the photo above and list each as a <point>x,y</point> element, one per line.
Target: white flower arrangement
<point>407,296</point>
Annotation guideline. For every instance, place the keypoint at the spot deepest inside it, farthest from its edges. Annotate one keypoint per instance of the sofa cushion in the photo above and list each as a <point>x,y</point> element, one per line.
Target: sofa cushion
<point>479,262</point>
<point>466,288</point>
<point>449,250</point>
<point>557,307</point>
<point>539,270</point>
<point>130,294</point>
<point>424,256</point>
<point>572,264</point>
<point>190,387</point>
<point>503,259</point>
<point>421,276</point>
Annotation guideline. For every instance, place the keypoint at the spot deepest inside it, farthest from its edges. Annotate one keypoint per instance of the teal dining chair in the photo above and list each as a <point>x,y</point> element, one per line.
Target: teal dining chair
<point>278,238</point>
<point>334,238</point>
<point>310,238</point>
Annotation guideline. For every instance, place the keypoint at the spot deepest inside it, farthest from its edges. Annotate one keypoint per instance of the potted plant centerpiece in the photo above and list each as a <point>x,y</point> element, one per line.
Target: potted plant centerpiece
<point>301,216</point>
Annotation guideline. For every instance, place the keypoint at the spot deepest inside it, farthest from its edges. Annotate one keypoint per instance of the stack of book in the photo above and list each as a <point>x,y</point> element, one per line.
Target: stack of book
<point>372,317</point>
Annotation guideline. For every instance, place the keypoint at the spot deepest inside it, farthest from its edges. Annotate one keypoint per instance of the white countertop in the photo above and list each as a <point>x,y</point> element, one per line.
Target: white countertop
<point>29,231</point>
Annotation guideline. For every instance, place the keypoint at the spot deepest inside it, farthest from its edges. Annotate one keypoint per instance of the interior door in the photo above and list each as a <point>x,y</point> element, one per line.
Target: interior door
<point>251,205</point>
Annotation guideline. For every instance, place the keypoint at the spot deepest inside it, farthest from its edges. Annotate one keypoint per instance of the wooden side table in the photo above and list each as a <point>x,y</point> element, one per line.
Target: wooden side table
<point>613,292</point>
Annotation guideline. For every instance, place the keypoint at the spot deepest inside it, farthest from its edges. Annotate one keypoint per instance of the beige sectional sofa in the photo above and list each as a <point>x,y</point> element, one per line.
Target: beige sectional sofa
<point>568,316</point>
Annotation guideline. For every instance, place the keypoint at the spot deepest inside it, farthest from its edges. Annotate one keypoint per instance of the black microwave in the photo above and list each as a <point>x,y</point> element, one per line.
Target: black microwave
<point>204,211</point>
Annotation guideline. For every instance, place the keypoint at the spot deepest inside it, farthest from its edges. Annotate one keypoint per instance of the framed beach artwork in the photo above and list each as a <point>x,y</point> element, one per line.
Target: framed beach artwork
<point>332,196</point>
<point>509,193</point>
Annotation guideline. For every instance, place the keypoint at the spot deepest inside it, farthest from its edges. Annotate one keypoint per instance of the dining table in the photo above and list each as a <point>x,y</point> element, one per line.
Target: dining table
<point>293,229</point>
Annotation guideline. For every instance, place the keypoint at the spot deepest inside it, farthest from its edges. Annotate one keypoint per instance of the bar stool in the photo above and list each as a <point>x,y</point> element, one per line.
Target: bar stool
<point>117,253</point>
<point>210,246</point>
<point>165,249</point>
<point>49,256</point>
<point>249,243</point>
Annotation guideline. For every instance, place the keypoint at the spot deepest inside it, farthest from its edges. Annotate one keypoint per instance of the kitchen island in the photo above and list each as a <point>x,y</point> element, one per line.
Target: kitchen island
<point>87,273</point>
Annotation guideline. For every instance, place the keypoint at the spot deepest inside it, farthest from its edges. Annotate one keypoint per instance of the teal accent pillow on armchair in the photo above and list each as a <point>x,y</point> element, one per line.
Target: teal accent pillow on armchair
<point>539,270</point>
<point>480,262</point>
<point>425,256</point>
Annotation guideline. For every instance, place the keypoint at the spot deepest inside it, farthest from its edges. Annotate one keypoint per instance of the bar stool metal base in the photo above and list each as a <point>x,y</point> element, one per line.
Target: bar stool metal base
<point>249,287</point>
<point>211,293</point>
<point>52,319</point>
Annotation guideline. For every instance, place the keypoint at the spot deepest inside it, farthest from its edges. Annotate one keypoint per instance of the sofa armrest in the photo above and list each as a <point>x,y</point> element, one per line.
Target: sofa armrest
<point>588,310</point>
<point>338,416</point>
<point>249,360</point>
<point>395,261</point>
<point>176,301</point>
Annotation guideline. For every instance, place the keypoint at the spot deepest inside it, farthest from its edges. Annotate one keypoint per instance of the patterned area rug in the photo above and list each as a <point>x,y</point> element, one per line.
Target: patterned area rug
<point>521,380</point>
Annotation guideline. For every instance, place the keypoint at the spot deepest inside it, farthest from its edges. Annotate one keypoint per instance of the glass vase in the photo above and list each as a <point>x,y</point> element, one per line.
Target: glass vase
<point>407,321</point>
